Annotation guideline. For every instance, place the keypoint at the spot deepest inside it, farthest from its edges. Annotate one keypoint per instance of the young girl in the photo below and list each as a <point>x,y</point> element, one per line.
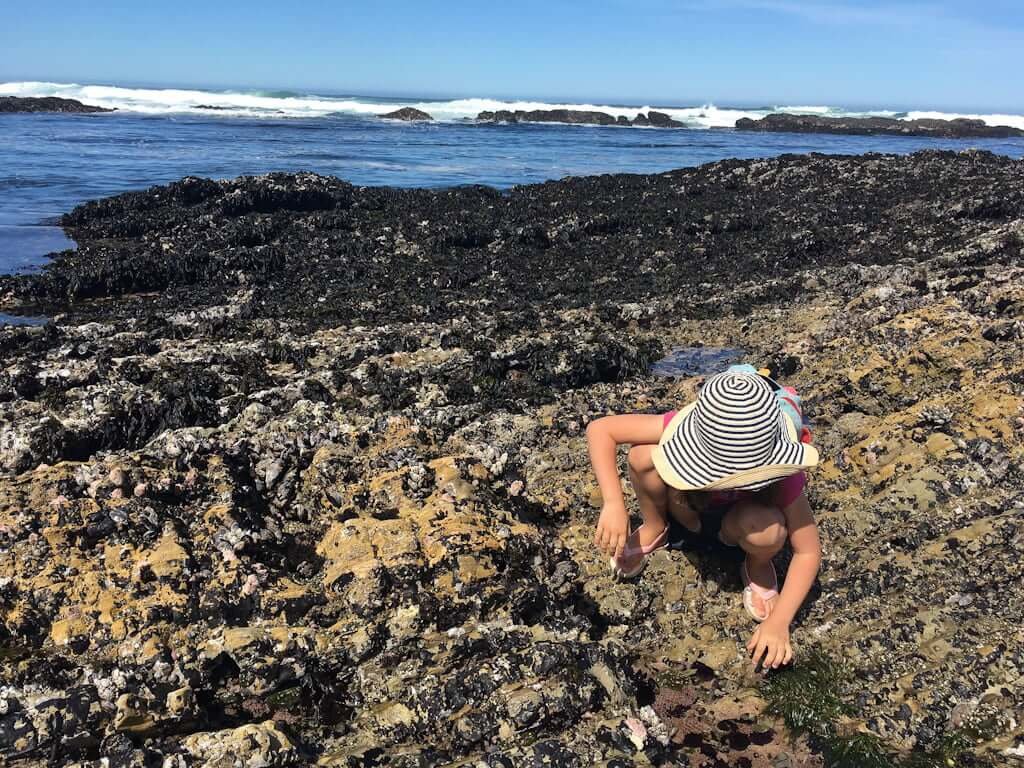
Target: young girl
<point>728,467</point>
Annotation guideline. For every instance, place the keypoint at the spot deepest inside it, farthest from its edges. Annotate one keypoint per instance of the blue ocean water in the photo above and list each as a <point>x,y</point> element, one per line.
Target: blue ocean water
<point>50,163</point>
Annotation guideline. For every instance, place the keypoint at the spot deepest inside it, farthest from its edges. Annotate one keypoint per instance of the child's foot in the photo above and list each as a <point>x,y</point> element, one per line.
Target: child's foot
<point>761,590</point>
<point>645,536</point>
<point>639,545</point>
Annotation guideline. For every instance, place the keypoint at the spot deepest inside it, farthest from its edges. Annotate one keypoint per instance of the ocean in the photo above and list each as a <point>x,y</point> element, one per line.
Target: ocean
<point>50,163</point>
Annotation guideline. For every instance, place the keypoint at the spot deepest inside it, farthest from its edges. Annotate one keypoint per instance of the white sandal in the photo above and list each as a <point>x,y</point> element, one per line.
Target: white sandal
<point>750,589</point>
<point>621,566</point>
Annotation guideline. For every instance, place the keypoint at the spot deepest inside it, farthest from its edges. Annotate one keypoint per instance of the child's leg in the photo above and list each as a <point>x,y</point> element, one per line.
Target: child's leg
<point>680,509</point>
<point>651,492</point>
<point>761,531</point>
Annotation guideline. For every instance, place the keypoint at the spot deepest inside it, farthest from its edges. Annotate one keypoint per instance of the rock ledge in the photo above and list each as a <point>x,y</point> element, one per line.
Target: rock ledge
<point>960,128</point>
<point>15,104</point>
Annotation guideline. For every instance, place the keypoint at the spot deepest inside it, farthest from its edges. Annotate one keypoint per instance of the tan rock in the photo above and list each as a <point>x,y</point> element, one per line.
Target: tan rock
<point>72,630</point>
<point>254,745</point>
<point>167,560</point>
<point>133,716</point>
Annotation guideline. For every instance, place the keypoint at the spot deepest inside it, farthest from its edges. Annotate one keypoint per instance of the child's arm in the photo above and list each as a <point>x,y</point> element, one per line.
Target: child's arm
<point>604,436</point>
<point>771,638</point>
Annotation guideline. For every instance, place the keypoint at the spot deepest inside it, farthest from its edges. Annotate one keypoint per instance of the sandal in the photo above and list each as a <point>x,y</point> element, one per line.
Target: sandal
<point>623,566</point>
<point>750,589</point>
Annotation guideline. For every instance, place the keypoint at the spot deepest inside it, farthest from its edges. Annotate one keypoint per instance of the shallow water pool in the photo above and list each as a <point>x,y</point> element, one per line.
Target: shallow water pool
<point>696,361</point>
<point>22,320</point>
<point>24,247</point>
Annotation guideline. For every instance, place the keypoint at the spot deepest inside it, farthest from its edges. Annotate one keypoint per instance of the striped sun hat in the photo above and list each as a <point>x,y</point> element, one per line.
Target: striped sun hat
<point>735,436</point>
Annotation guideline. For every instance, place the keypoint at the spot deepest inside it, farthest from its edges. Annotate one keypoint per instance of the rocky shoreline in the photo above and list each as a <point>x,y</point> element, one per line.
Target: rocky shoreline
<point>17,104</point>
<point>297,475</point>
<point>959,128</point>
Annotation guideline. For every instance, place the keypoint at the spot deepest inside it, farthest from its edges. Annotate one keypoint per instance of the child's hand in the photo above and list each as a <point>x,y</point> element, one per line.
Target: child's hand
<point>770,640</point>
<point>612,529</point>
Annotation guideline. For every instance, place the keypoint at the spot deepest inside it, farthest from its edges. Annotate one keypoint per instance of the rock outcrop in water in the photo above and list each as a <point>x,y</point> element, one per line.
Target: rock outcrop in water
<point>959,128</point>
<point>570,116</point>
<point>409,114</point>
<point>11,104</point>
<point>578,117</point>
<point>661,120</point>
<point>298,475</point>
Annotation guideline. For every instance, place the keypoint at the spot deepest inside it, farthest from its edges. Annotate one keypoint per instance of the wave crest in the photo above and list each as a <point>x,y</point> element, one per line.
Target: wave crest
<point>270,103</point>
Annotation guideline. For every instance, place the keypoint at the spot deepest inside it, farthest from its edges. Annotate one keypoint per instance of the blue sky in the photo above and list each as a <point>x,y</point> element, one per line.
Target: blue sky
<point>940,54</point>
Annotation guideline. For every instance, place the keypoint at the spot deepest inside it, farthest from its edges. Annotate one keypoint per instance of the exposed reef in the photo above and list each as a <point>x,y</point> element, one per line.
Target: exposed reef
<point>12,104</point>
<point>661,120</point>
<point>297,475</point>
<point>409,114</point>
<point>571,116</point>
<point>578,117</point>
<point>959,128</point>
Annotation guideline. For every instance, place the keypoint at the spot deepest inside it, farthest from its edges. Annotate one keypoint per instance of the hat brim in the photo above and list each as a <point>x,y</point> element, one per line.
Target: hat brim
<point>674,459</point>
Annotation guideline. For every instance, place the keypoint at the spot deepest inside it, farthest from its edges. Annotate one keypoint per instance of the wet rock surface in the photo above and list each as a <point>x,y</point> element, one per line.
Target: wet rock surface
<point>10,104</point>
<point>410,114</point>
<point>572,116</point>
<point>578,117</point>
<point>297,475</point>
<point>661,120</point>
<point>958,128</point>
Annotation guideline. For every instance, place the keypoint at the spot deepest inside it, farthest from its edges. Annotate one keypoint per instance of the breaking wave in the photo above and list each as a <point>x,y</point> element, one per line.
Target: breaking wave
<point>270,103</point>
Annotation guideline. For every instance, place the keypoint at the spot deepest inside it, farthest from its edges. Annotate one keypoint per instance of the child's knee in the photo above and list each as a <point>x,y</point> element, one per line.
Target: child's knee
<point>640,460</point>
<point>761,525</point>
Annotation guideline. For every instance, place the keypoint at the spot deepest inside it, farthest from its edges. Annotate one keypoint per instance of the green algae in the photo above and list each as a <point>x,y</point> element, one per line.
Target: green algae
<point>286,699</point>
<point>809,697</point>
<point>860,750</point>
<point>14,653</point>
<point>953,749</point>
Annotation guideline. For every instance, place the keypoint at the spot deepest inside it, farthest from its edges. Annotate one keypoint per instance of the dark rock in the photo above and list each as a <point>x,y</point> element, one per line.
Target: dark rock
<point>959,128</point>
<point>578,117</point>
<point>9,104</point>
<point>571,116</point>
<point>265,223</point>
<point>661,120</point>
<point>409,114</point>
<point>209,106</point>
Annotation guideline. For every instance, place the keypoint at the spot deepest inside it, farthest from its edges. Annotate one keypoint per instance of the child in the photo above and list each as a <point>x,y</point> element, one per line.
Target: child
<point>736,455</point>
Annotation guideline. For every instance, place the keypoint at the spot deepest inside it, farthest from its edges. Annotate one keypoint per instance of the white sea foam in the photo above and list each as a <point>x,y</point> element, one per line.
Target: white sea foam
<point>156,101</point>
<point>708,116</point>
<point>1014,121</point>
<point>177,100</point>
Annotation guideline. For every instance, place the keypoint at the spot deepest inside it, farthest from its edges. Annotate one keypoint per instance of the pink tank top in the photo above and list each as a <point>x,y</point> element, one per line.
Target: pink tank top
<point>786,491</point>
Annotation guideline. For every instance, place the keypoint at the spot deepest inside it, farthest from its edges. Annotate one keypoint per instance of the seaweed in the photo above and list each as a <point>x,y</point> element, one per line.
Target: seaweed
<point>809,697</point>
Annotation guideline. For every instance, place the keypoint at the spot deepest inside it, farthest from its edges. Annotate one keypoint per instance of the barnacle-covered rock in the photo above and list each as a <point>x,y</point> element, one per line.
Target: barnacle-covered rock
<point>320,494</point>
